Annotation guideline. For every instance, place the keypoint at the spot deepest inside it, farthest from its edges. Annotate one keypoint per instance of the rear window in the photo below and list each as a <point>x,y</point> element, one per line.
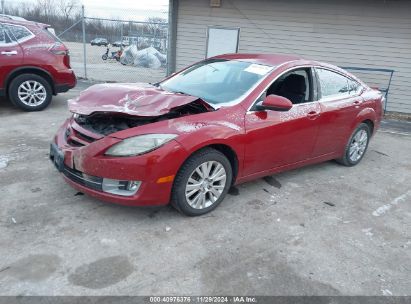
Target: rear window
<point>50,31</point>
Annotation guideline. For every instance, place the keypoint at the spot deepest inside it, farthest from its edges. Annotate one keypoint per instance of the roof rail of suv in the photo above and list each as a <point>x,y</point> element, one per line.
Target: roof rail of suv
<point>12,17</point>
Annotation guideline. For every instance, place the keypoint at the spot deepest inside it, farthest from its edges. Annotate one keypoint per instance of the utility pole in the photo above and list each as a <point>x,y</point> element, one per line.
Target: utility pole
<point>83,23</point>
<point>121,33</point>
<point>2,6</point>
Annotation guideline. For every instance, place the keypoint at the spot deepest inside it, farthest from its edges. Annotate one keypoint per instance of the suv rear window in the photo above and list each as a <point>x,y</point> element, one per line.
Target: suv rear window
<point>50,31</point>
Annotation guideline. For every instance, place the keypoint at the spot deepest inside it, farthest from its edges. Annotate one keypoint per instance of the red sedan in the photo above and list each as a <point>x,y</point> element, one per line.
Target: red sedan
<point>222,121</point>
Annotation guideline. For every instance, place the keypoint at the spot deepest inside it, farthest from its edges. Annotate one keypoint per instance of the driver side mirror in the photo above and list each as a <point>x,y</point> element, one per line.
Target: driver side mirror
<point>275,103</point>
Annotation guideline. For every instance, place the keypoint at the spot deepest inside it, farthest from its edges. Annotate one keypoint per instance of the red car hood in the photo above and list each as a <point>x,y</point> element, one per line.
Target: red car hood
<point>130,98</point>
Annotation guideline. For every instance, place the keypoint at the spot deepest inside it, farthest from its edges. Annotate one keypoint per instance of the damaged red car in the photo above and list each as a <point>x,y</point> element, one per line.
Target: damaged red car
<point>222,121</point>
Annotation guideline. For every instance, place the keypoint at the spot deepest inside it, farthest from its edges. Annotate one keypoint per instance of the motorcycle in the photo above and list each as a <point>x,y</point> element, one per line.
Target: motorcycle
<point>113,55</point>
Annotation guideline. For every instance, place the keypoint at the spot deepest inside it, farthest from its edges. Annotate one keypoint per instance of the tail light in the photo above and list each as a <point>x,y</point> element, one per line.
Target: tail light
<point>60,49</point>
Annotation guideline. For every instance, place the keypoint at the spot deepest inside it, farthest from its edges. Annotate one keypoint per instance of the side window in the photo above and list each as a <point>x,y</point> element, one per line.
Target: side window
<point>334,84</point>
<point>4,35</point>
<point>18,32</point>
<point>295,85</point>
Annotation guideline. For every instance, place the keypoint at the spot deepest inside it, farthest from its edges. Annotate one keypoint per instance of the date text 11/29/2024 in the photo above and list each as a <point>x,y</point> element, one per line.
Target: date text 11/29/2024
<point>203,299</point>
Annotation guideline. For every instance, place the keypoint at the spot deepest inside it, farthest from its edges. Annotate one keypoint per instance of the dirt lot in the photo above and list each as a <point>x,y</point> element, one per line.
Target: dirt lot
<point>321,230</point>
<point>109,70</point>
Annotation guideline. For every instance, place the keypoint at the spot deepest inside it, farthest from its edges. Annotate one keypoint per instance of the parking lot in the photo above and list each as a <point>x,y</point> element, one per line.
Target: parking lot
<point>320,230</point>
<point>98,69</point>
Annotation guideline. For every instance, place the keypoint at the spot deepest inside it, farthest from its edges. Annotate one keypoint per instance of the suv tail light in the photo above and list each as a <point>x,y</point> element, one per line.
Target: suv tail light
<point>60,49</point>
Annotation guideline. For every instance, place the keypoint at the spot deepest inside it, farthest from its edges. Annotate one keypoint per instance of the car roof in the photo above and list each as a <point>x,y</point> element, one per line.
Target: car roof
<point>268,59</point>
<point>10,17</point>
<point>279,59</point>
<point>20,21</point>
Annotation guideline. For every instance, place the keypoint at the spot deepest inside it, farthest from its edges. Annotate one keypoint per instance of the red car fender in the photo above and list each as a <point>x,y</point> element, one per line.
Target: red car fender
<point>364,114</point>
<point>215,135</point>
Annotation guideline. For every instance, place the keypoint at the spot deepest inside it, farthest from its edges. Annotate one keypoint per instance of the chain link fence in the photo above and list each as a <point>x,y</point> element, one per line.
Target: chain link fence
<point>131,47</point>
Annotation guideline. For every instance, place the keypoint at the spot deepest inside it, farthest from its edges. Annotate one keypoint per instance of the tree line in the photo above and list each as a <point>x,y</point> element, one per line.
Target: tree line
<point>61,14</point>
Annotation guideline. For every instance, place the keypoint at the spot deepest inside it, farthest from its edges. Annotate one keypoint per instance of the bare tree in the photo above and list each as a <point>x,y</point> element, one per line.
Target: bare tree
<point>68,8</point>
<point>155,25</point>
<point>47,7</point>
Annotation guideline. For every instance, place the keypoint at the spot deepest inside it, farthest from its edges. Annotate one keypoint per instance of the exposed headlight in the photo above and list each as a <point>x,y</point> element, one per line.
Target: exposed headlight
<point>139,144</point>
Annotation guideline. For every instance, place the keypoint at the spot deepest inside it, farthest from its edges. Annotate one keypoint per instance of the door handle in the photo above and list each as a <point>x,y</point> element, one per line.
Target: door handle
<point>313,114</point>
<point>9,53</point>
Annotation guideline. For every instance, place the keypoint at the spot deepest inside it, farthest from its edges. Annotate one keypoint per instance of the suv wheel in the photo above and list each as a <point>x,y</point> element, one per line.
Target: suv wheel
<point>202,182</point>
<point>30,92</point>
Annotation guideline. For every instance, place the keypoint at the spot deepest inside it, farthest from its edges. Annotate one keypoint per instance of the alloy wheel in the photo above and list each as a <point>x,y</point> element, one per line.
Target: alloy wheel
<point>358,145</point>
<point>32,93</point>
<point>205,184</point>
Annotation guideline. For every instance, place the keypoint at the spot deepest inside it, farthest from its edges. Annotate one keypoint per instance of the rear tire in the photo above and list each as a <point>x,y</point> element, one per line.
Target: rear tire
<point>357,146</point>
<point>104,57</point>
<point>30,92</point>
<point>196,194</point>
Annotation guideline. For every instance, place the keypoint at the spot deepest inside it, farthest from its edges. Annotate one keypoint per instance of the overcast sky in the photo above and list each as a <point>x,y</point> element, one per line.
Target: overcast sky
<point>139,9</point>
<point>120,9</point>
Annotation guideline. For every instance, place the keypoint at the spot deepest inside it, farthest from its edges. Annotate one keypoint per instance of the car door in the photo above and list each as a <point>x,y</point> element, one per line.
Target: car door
<point>340,101</point>
<point>275,139</point>
<point>11,55</point>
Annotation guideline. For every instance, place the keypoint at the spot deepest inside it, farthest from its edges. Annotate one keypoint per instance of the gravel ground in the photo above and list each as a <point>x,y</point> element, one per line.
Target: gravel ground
<point>319,230</point>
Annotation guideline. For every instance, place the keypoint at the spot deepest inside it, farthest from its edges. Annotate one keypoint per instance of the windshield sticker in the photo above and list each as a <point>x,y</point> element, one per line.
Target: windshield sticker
<point>258,69</point>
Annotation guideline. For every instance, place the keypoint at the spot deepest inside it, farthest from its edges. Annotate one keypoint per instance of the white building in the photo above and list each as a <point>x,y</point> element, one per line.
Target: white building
<point>360,33</point>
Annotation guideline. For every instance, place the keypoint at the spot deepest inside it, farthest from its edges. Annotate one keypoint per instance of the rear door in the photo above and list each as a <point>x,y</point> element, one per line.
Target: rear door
<point>340,101</point>
<point>11,54</point>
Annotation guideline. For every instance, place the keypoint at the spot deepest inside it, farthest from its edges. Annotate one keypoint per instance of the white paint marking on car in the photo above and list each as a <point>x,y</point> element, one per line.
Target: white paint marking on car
<point>188,127</point>
<point>227,124</point>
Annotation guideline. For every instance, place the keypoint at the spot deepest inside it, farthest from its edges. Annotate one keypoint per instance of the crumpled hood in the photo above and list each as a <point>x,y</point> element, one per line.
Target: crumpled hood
<point>130,98</point>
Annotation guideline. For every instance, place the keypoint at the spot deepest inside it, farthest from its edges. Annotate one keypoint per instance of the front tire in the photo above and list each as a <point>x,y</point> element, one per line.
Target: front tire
<point>202,182</point>
<point>104,57</point>
<point>30,92</point>
<point>356,146</point>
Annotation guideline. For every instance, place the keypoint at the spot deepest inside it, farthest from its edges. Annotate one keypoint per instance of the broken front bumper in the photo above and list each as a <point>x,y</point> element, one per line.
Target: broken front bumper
<point>88,170</point>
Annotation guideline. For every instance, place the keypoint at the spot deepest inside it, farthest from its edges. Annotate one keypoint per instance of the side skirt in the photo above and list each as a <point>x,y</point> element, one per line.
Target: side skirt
<point>315,160</point>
